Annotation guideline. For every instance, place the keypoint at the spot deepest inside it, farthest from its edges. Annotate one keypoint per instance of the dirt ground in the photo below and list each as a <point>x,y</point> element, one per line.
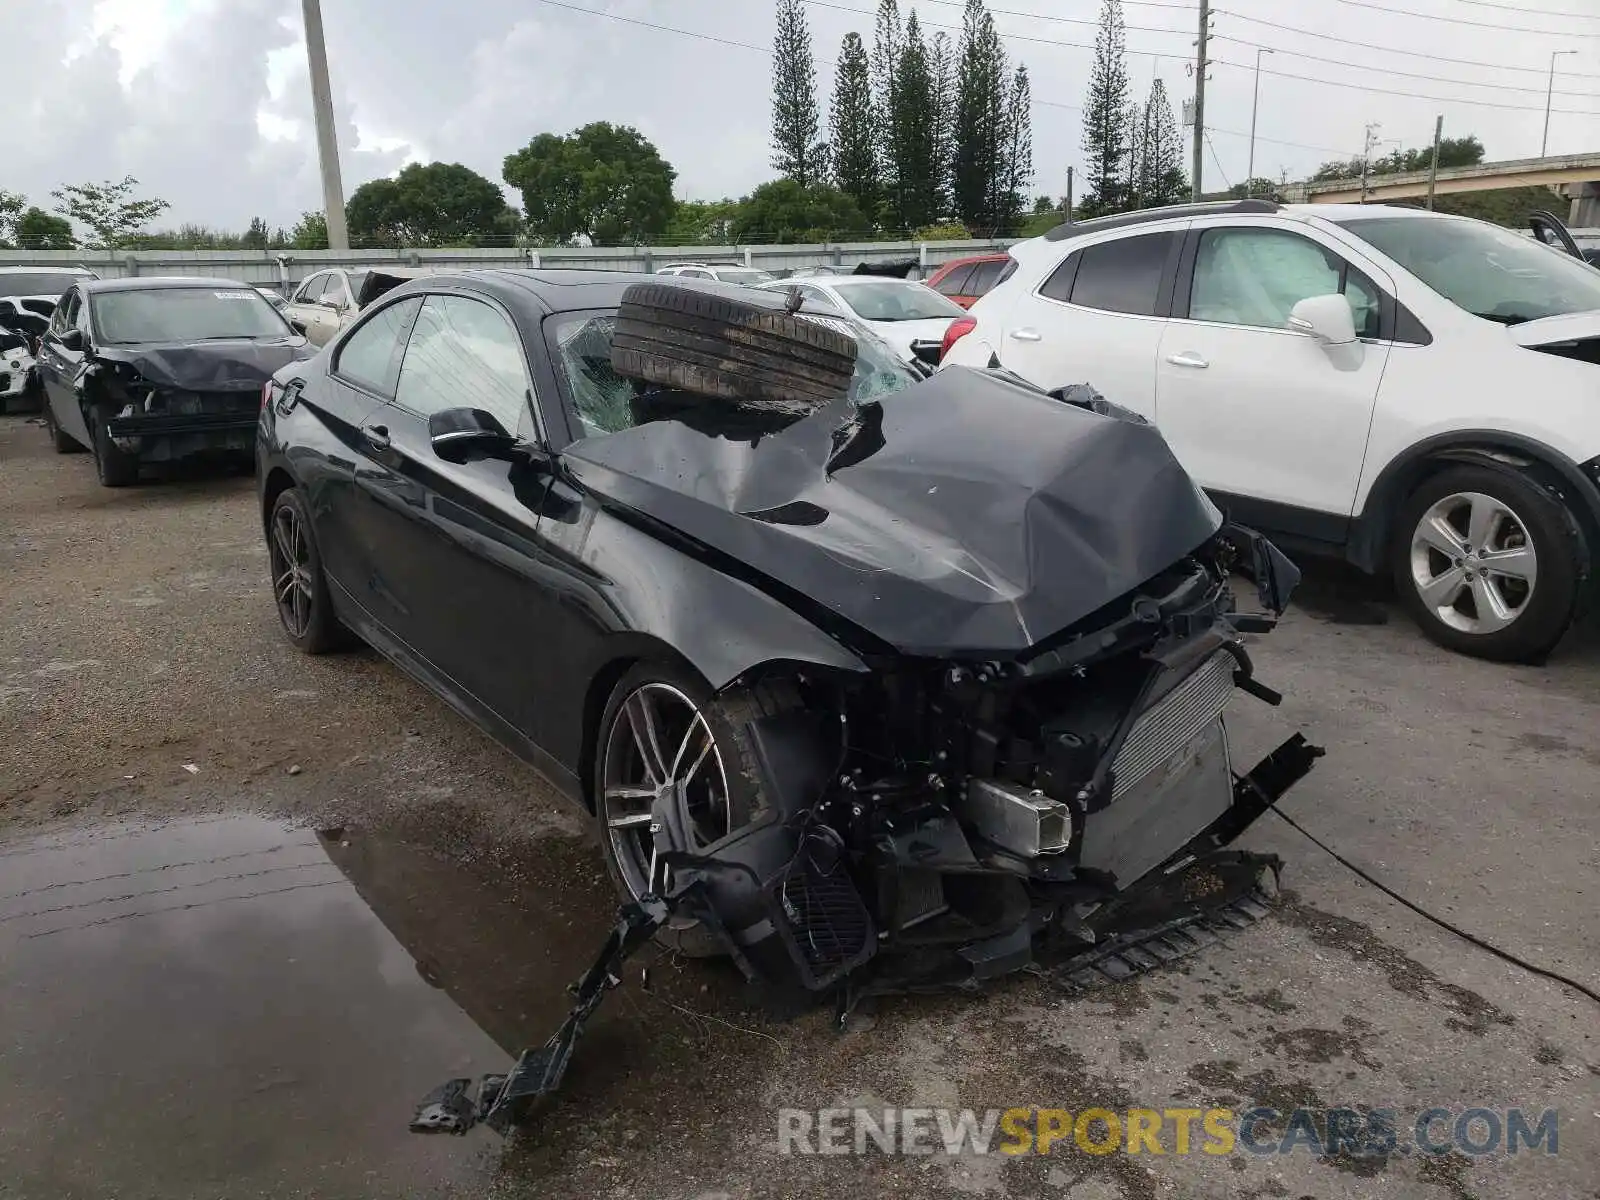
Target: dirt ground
<point>153,718</point>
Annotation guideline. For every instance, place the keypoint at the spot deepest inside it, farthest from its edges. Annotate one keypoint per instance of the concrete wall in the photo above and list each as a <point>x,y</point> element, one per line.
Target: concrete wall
<point>263,268</point>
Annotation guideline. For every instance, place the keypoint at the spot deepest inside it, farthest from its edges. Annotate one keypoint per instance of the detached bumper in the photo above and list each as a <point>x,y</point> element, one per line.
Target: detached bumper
<point>148,425</point>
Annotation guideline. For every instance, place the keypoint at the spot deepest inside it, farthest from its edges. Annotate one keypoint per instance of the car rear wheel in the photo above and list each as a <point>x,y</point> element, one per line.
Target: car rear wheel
<point>116,467</point>
<point>1486,561</point>
<point>63,442</point>
<point>299,588</point>
<point>665,737</point>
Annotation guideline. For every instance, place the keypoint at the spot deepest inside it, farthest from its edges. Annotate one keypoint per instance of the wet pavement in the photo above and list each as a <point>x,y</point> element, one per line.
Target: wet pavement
<point>259,1020</point>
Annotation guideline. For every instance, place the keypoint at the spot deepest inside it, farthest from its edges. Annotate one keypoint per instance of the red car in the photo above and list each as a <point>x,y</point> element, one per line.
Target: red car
<point>965,279</point>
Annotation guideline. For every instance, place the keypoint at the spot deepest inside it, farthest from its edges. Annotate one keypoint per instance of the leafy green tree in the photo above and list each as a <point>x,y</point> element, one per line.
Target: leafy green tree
<point>431,204</point>
<point>1044,204</point>
<point>1016,171</point>
<point>853,121</point>
<point>888,39</point>
<point>258,235</point>
<point>36,229</point>
<point>1259,188</point>
<point>310,232</point>
<point>1160,179</point>
<point>1453,152</point>
<point>109,209</point>
<point>948,231</point>
<point>797,153</point>
<point>1105,126</point>
<point>782,211</point>
<point>604,182</point>
<point>913,127</point>
<point>980,117</point>
<point>702,223</point>
<point>11,206</point>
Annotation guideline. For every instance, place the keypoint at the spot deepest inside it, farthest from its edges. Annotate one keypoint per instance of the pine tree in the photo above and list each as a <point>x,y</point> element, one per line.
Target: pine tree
<point>888,38</point>
<point>942,67</point>
<point>1017,170</point>
<point>1133,122</point>
<point>1161,178</point>
<point>980,115</point>
<point>854,126</point>
<point>797,153</point>
<point>913,127</point>
<point>1105,130</point>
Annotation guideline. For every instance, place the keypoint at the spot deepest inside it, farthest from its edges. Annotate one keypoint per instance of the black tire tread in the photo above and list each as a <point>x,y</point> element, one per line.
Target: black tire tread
<point>694,341</point>
<point>115,467</point>
<point>326,633</point>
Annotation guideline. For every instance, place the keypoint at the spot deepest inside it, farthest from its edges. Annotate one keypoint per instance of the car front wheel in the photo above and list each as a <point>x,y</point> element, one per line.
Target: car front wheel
<point>1486,561</point>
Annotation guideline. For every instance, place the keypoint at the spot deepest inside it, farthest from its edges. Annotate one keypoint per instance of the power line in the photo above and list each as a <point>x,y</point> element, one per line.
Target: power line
<point>1460,62</point>
<point>1534,12</point>
<point>704,37</point>
<point>1339,62</point>
<point>1033,16</point>
<point>1406,12</point>
<point>1214,129</point>
<point>1218,162</point>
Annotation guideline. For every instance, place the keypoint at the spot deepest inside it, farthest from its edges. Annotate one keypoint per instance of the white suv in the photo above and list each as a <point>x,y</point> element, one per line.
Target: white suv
<point>1414,392</point>
<point>721,272</point>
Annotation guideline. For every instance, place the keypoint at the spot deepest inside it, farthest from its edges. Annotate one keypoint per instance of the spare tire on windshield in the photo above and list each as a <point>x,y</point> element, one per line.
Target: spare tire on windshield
<point>694,340</point>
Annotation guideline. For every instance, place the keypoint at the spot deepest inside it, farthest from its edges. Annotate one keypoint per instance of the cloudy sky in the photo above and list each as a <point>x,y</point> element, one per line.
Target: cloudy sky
<point>207,101</point>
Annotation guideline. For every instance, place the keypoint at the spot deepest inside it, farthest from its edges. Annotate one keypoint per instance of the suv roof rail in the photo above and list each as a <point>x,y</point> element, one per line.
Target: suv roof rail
<point>1209,208</point>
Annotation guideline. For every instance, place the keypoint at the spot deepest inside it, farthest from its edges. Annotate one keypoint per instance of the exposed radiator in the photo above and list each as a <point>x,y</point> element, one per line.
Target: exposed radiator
<point>1176,720</point>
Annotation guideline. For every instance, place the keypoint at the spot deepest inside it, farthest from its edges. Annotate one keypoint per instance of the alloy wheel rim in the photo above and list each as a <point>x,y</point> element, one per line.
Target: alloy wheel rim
<point>291,572</point>
<point>660,747</point>
<point>1473,563</point>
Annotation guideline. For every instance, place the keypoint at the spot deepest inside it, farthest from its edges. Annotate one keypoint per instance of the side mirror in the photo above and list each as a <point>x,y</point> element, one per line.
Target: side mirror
<point>927,352</point>
<point>1326,318</point>
<point>458,434</point>
<point>72,339</point>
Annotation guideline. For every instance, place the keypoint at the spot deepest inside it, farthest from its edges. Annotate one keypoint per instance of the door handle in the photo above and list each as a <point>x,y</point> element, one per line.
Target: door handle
<point>1187,359</point>
<point>1026,335</point>
<point>377,436</point>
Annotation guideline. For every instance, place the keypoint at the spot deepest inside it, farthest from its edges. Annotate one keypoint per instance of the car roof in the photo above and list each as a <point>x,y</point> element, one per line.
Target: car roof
<point>142,283</point>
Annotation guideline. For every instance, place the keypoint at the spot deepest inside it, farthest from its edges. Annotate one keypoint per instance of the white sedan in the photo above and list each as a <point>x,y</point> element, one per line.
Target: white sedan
<point>901,312</point>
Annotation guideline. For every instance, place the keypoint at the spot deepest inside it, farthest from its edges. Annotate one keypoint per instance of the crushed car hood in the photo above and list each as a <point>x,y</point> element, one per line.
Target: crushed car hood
<point>1551,331</point>
<point>221,366</point>
<point>966,516</point>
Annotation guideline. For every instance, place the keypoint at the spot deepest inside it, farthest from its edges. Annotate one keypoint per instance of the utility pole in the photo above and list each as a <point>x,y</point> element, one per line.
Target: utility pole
<point>1069,195</point>
<point>1199,162</point>
<point>1433,168</point>
<point>327,138</point>
<point>1549,94</point>
<point>1250,172</point>
<point>1366,156</point>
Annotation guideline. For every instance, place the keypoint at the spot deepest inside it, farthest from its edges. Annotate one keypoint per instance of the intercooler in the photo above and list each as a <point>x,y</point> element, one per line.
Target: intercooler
<point>1172,777</point>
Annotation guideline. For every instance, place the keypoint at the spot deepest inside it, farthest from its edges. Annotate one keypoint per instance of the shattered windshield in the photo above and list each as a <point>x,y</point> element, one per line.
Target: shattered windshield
<point>895,300</point>
<point>189,314</point>
<point>1489,271</point>
<point>604,400</point>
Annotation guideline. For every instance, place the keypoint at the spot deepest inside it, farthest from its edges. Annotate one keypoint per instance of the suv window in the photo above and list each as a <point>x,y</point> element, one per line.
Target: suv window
<point>464,354</point>
<point>370,357</point>
<point>333,291</point>
<point>984,277</point>
<point>1123,275</point>
<point>1256,277</point>
<point>954,283</point>
<point>58,319</point>
<point>310,288</point>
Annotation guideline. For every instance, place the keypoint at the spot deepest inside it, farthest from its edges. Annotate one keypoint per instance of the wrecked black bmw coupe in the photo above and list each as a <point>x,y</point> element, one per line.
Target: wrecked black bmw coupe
<point>873,680</point>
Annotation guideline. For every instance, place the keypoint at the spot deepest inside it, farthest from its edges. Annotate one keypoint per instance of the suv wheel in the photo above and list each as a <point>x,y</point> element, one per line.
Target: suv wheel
<point>1486,561</point>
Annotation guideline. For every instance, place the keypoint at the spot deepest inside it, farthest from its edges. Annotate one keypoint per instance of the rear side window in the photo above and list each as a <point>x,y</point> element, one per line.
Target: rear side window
<point>984,277</point>
<point>1124,275</point>
<point>954,284</point>
<point>370,357</point>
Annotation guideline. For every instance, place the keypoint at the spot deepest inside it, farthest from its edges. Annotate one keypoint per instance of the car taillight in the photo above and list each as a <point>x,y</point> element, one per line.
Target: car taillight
<point>959,328</point>
<point>266,394</point>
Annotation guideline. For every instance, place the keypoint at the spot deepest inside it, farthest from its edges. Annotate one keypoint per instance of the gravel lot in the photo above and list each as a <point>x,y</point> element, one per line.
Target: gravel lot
<point>145,690</point>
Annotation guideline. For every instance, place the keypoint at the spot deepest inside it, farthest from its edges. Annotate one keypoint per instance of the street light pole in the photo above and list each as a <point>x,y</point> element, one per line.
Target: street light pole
<point>1549,94</point>
<point>327,138</point>
<point>1250,172</point>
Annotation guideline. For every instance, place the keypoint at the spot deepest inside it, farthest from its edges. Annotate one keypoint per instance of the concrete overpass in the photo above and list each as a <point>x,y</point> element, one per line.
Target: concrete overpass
<point>1576,176</point>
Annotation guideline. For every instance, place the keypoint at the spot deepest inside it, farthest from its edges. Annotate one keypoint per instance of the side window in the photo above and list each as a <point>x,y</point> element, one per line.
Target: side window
<point>1124,275</point>
<point>954,284</point>
<point>1366,302</point>
<point>984,277</point>
<point>59,318</point>
<point>1256,276</point>
<point>310,288</point>
<point>1059,285</point>
<point>464,354</point>
<point>818,296</point>
<point>699,274</point>
<point>332,291</point>
<point>370,357</point>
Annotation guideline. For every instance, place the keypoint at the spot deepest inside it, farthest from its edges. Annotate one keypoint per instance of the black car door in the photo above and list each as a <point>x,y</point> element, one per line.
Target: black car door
<point>60,364</point>
<point>453,543</point>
